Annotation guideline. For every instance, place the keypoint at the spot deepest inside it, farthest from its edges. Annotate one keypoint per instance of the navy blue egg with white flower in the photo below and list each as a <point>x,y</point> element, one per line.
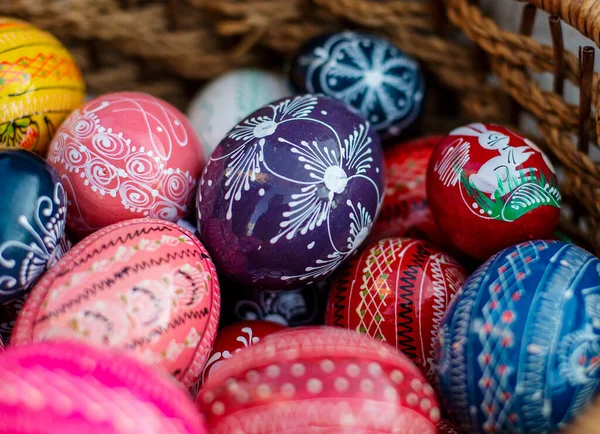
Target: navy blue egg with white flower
<point>32,221</point>
<point>290,193</point>
<point>366,72</point>
<point>520,345</point>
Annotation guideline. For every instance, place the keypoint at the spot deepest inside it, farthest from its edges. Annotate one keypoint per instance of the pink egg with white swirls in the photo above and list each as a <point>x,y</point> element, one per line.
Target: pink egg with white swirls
<point>126,155</point>
<point>146,286</point>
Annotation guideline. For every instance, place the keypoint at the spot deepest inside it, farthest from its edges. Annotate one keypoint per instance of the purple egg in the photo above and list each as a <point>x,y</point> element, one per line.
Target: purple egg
<point>290,193</point>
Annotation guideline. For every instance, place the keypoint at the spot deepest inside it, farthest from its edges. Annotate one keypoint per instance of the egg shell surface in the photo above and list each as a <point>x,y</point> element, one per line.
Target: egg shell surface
<point>290,193</point>
<point>72,388</point>
<point>397,291</point>
<point>302,379</point>
<point>126,155</point>
<point>40,84</point>
<point>489,188</point>
<point>144,285</point>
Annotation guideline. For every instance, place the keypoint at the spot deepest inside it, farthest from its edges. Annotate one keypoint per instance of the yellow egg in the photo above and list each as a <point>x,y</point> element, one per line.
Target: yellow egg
<point>40,84</point>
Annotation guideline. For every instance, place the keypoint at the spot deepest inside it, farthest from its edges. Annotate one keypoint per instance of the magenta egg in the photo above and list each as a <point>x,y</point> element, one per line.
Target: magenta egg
<point>126,155</point>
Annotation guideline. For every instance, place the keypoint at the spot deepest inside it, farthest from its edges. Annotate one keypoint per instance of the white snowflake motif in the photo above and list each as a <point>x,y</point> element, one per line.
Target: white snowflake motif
<point>370,75</point>
<point>48,245</point>
<point>245,161</point>
<point>331,171</point>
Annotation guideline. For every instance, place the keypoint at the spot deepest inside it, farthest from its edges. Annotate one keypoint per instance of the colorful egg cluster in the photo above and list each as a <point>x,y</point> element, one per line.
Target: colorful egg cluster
<point>345,308</point>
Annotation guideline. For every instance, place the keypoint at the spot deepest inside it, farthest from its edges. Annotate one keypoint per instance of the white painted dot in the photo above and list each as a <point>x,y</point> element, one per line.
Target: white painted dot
<point>347,420</point>
<point>425,404</point>
<point>288,390</point>
<point>353,370</point>
<point>428,390</point>
<point>310,245</point>
<point>324,112</point>
<point>263,391</point>
<point>396,376</point>
<point>314,386</point>
<point>434,414</point>
<point>208,397</point>
<point>270,351</point>
<point>489,212</point>
<point>374,369</point>
<point>377,170</point>
<point>412,399</point>
<point>564,263</point>
<point>177,122</point>
<point>273,371</point>
<point>341,384</point>
<point>416,385</point>
<point>366,386</point>
<point>209,182</point>
<point>390,394</point>
<point>261,192</point>
<point>481,211</point>
<point>297,369</point>
<point>252,376</point>
<point>327,366</point>
<point>231,384</point>
<point>159,129</point>
<point>474,205</point>
<point>218,408</point>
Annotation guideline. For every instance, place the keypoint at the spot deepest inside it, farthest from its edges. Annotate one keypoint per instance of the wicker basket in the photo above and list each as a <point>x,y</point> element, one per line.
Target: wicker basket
<point>169,47</point>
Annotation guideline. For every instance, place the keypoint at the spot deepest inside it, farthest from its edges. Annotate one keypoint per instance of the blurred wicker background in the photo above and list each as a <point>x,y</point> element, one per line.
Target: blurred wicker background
<point>476,70</point>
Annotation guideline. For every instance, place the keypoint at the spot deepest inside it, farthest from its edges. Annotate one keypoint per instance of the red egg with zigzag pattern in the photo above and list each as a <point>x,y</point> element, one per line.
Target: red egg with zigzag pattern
<point>397,291</point>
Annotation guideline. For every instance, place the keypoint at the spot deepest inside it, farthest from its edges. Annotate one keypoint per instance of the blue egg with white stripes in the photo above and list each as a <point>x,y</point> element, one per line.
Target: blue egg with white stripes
<point>519,347</point>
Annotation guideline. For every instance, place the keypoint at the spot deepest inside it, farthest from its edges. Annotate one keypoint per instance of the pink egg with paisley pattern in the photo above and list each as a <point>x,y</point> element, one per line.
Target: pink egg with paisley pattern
<point>73,388</point>
<point>146,286</point>
<point>126,155</point>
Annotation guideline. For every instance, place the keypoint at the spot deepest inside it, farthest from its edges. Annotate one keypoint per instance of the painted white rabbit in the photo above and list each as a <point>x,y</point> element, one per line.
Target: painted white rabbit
<point>497,171</point>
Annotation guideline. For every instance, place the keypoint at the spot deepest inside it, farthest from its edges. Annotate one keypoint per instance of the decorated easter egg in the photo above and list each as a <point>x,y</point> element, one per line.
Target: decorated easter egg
<point>146,286</point>
<point>304,379</point>
<point>40,84</point>
<point>235,337</point>
<point>123,156</point>
<point>397,291</point>
<point>33,208</point>
<point>291,307</point>
<point>405,211</point>
<point>228,99</point>
<point>489,188</point>
<point>519,344</point>
<point>290,193</point>
<point>368,73</point>
<point>70,387</point>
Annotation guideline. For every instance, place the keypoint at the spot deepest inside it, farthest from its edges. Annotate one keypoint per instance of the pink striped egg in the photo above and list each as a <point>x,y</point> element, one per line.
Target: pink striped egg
<point>73,388</point>
<point>305,379</point>
<point>146,286</point>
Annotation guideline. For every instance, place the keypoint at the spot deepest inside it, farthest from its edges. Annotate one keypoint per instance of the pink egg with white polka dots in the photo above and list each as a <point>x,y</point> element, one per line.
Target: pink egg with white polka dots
<point>314,377</point>
<point>126,155</point>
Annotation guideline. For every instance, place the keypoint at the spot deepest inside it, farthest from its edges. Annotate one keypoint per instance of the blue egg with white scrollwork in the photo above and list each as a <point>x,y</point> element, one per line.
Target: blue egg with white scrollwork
<point>519,347</point>
<point>368,73</point>
<point>33,207</point>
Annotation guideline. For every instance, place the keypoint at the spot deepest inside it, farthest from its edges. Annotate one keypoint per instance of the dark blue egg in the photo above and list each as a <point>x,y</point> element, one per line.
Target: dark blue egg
<point>33,208</point>
<point>290,193</point>
<point>366,72</point>
<point>520,345</point>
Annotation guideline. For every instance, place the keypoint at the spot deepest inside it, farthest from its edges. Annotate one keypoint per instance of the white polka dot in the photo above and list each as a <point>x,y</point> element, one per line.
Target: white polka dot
<point>159,129</point>
<point>218,408</point>
<point>208,397</point>
<point>327,366</point>
<point>273,371</point>
<point>324,112</point>
<point>366,386</point>
<point>270,351</point>
<point>209,182</point>
<point>416,385</point>
<point>231,384</point>
<point>176,122</point>
<point>252,376</point>
<point>314,386</point>
<point>347,420</point>
<point>261,192</point>
<point>428,390</point>
<point>341,384</point>
<point>242,396</point>
<point>353,370</point>
<point>263,391</point>
<point>425,404</point>
<point>390,394</point>
<point>288,390</point>
<point>298,369</point>
<point>374,369</point>
<point>396,376</point>
<point>434,414</point>
<point>412,399</point>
